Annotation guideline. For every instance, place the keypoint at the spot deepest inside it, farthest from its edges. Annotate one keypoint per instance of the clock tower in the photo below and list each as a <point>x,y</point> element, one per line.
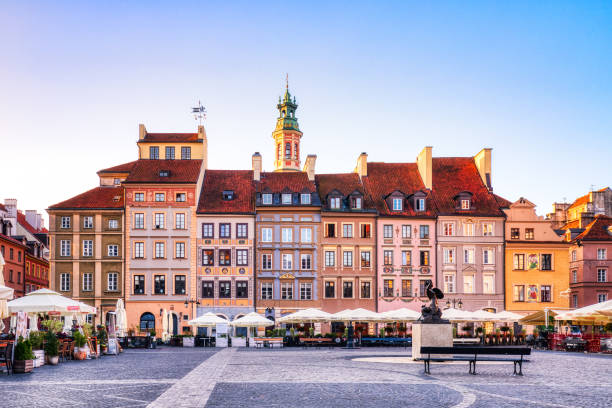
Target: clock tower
<point>287,135</point>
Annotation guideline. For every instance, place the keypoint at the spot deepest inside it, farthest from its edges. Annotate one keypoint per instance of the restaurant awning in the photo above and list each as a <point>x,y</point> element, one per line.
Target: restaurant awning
<point>539,317</point>
<point>252,320</point>
<point>458,315</point>
<point>507,316</point>
<point>45,300</point>
<point>311,315</point>
<point>207,320</point>
<point>400,315</point>
<point>356,315</point>
<point>598,312</point>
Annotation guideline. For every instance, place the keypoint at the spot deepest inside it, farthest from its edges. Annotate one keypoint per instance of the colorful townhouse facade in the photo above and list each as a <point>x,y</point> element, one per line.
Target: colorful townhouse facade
<point>537,262</point>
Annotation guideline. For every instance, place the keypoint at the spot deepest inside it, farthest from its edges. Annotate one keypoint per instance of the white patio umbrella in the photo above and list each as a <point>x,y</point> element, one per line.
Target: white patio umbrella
<point>400,315</point>
<point>165,318</point>
<point>6,293</point>
<point>598,312</point>
<point>121,318</point>
<point>458,315</point>
<point>311,315</point>
<point>45,300</point>
<point>484,316</point>
<point>604,308</point>
<point>207,320</point>
<point>252,320</point>
<point>356,315</point>
<point>507,316</point>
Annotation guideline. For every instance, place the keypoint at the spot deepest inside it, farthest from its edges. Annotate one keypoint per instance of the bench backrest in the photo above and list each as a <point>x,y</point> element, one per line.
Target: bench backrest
<point>515,351</point>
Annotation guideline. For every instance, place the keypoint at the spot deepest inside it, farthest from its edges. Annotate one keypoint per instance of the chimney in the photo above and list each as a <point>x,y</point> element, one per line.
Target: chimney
<point>202,135</point>
<point>483,164</point>
<point>425,166</point>
<point>362,165</point>
<point>11,206</point>
<point>309,166</point>
<point>39,221</point>
<point>586,218</point>
<point>142,131</point>
<point>30,216</point>
<point>256,166</point>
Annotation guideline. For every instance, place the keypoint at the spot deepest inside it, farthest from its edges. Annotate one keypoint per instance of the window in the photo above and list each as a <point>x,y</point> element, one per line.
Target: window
<point>87,247</point>
<point>574,276</point>
<point>65,222</point>
<point>87,282</point>
<point>330,258</point>
<point>602,275</point>
<point>185,153</point>
<point>11,275</point>
<point>602,297</point>
<point>180,197</point>
<point>88,222</point>
<point>208,257</point>
<point>449,282</point>
<point>139,197</point>
<point>366,290</point>
<point>487,257</point>
<point>519,293</point>
<point>266,234</point>
<point>225,289</point>
<point>208,231</point>
<point>112,250</point>
<point>330,289</point>
<point>242,289</point>
<point>112,281</point>
<point>305,198</point>
<point>601,254</point>
<point>488,283</point>
<point>286,198</point>
<point>424,231</point>
<point>387,231</point>
<point>347,230</point>
<point>347,259</point>
<point>179,250</point>
<point>388,257</point>
<point>347,289</point>
<point>574,255</point>
<point>515,233</point>
<point>266,261</point>
<point>179,221</point>
<point>306,261</point>
<point>287,234</point>
<point>420,204</point>
<point>306,235</point>
<point>138,221</point>
<point>406,258</point>
<point>208,289</point>
<point>366,231</point>
<point>159,284</point>
<point>139,250</point>
<point>424,258</point>
<point>160,250</point>
<point>468,283</point>
<point>529,234</point>
<point>487,229</point>
<point>225,257</point>
<point>287,150</point>
<point>365,259</point>
<point>465,204</point>
<point>306,291</point>
<point>406,288</point>
<point>64,282</point>
<point>545,293</point>
<point>225,230</point>
<point>154,153</point>
<point>468,256</point>
<point>116,181</point>
<point>169,152</point>
<point>287,290</point>
<point>242,230</point>
<point>160,197</point>
<point>139,284</point>
<point>65,247</point>
<point>113,224</point>
<point>18,276</point>
<point>266,291</point>
<point>575,300</point>
<point>468,230</point>
<point>334,203</point>
<point>242,257</point>
<point>160,220</point>
<point>448,229</point>
<point>388,288</point>
<point>406,231</point>
<point>546,262</point>
<point>287,261</point>
<point>356,203</point>
<point>397,204</point>
<point>519,262</point>
<point>449,255</point>
<point>266,198</point>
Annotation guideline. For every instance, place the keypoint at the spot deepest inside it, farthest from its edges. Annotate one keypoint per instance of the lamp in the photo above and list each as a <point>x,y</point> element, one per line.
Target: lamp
<point>161,311</point>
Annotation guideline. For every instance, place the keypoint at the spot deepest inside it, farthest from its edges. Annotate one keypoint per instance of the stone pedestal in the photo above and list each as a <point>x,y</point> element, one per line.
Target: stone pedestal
<point>430,335</point>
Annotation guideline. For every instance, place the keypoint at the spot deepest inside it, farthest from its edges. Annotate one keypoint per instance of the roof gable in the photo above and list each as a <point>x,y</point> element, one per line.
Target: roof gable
<point>217,181</point>
<point>104,197</point>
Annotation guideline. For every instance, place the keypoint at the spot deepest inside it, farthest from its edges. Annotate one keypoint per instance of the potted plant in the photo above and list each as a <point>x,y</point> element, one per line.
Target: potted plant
<point>80,353</point>
<point>24,358</point>
<point>103,338</point>
<point>36,340</point>
<point>52,348</point>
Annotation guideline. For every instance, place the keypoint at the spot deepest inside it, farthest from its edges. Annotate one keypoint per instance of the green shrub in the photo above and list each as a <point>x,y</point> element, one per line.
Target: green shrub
<point>79,339</point>
<point>52,325</point>
<point>52,345</point>
<point>102,335</point>
<point>23,350</point>
<point>36,340</point>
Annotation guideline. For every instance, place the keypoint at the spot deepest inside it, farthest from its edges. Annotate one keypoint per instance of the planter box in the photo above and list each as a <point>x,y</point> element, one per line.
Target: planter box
<point>23,366</point>
<point>40,358</point>
<point>188,342</point>
<point>221,342</point>
<point>238,342</point>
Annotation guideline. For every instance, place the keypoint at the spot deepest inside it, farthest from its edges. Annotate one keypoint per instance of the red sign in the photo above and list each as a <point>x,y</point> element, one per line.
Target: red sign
<point>53,313</point>
<point>73,308</point>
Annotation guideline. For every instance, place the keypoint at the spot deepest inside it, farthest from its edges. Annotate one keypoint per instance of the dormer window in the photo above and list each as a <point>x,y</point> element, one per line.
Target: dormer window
<point>164,173</point>
<point>465,204</point>
<point>420,204</point>
<point>356,203</point>
<point>228,195</point>
<point>266,198</point>
<point>397,204</point>
<point>286,198</point>
<point>305,198</point>
<point>334,203</point>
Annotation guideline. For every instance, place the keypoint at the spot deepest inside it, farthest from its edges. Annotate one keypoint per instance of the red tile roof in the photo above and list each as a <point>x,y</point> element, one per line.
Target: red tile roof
<point>104,197</point>
<point>276,182</point>
<point>21,219</point>
<point>171,137</point>
<point>452,175</point>
<point>122,168</point>
<point>571,225</point>
<point>584,199</point>
<point>599,229</point>
<point>346,183</point>
<point>503,203</point>
<point>2,207</point>
<point>12,240</point>
<point>385,178</point>
<point>217,181</point>
<point>181,171</point>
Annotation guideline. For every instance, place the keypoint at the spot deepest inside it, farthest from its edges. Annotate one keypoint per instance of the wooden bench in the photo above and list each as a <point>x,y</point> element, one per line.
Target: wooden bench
<point>472,354</point>
<point>269,341</point>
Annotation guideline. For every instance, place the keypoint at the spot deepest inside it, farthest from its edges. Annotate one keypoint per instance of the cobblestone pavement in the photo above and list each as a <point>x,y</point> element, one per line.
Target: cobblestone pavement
<point>179,377</point>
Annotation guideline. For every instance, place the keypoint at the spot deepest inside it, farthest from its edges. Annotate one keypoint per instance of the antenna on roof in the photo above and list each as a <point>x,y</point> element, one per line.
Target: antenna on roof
<point>199,112</point>
<point>592,187</point>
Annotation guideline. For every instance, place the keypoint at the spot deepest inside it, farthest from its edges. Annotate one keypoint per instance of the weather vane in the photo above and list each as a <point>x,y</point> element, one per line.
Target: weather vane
<point>199,112</point>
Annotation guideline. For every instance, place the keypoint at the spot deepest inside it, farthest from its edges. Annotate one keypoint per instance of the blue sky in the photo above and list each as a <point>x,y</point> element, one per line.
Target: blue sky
<point>529,79</point>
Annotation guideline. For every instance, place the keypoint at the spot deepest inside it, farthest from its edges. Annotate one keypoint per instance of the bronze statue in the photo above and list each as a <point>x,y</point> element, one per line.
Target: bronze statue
<point>432,313</point>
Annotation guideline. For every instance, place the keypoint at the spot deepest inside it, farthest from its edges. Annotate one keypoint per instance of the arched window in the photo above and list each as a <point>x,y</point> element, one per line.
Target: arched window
<point>147,321</point>
<point>295,151</point>
<point>287,150</point>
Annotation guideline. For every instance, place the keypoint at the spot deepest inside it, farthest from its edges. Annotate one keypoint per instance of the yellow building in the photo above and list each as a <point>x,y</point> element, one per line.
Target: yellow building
<point>537,261</point>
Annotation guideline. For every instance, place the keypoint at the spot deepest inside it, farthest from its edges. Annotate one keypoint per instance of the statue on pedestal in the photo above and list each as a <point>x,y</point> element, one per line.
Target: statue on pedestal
<point>432,313</point>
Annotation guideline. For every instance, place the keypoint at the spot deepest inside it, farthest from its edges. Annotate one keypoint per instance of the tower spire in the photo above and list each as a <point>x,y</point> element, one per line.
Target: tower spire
<point>287,134</point>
